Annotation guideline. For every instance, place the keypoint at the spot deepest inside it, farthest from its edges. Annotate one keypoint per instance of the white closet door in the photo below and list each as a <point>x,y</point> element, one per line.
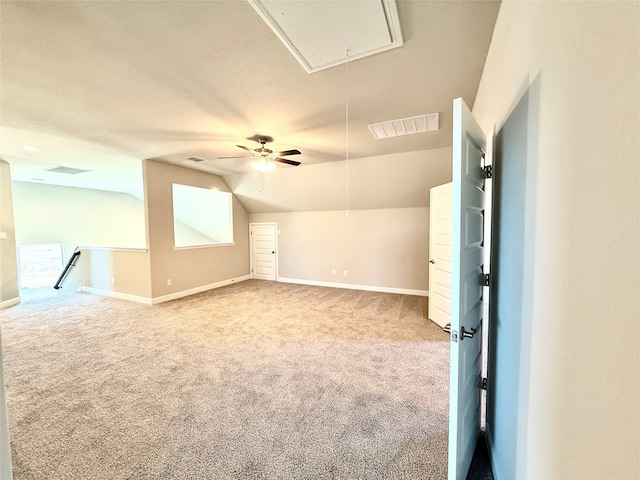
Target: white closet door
<point>263,250</point>
<point>440,229</point>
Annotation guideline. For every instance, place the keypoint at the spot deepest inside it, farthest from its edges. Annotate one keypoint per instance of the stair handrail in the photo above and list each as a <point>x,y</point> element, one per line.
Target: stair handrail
<point>70,263</point>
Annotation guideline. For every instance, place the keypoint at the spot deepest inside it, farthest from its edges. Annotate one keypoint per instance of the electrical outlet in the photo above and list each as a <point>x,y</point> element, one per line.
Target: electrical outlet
<point>113,280</point>
<point>333,272</point>
<point>169,282</point>
<point>346,273</point>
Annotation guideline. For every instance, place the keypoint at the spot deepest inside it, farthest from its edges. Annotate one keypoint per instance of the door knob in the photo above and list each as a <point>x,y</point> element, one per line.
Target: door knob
<point>432,261</point>
<point>273,251</point>
<point>447,328</point>
<point>467,333</point>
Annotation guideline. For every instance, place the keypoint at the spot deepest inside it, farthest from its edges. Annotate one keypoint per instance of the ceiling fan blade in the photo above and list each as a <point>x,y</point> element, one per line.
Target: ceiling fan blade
<point>244,148</point>
<point>288,162</point>
<point>243,156</point>
<point>289,152</point>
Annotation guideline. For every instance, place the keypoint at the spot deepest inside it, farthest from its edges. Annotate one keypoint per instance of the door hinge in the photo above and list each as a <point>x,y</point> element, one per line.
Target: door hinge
<point>486,280</point>
<point>484,383</point>
<point>488,171</point>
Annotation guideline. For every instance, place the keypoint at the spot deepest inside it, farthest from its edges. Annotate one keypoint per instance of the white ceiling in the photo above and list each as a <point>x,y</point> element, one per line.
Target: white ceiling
<point>103,85</point>
<point>321,36</point>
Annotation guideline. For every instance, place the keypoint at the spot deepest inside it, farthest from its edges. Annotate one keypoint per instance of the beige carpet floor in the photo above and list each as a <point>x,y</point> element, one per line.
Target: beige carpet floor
<point>256,380</point>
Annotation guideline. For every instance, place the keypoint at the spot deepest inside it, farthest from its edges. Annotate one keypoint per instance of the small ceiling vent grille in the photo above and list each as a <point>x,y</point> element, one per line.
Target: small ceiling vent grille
<point>66,170</point>
<point>406,126</point>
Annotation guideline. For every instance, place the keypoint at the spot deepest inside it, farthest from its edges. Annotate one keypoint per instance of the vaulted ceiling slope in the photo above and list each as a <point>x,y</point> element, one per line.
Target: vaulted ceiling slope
<point>101,86</point>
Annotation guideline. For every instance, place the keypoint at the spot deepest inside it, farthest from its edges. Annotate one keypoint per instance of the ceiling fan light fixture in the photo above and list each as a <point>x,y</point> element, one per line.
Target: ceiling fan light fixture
<point>263,165</point>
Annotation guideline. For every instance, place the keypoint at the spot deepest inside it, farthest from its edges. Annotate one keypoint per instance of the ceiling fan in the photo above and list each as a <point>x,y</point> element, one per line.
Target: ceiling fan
<point>264,158</point>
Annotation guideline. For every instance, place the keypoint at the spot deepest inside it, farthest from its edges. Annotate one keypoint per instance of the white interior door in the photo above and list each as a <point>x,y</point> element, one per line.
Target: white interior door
<point>263,250</point>
<point>440,230</point>
<point>469,145</point>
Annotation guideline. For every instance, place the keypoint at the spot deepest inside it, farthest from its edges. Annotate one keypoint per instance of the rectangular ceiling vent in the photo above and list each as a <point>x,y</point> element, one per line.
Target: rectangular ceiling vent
<point>325,34</point>
<point>66,170</point>
<point>406,126</point>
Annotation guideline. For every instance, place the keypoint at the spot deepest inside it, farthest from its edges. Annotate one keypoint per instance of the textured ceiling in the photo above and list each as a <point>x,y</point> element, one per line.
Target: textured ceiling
<point>103,85</point>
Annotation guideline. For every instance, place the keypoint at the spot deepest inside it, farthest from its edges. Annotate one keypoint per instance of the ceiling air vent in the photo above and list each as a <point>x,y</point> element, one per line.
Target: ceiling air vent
<point>66,170</point>
<point>406,126</point>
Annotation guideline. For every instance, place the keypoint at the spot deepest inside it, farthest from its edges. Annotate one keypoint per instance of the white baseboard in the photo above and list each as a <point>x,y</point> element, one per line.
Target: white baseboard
<point>112,294</point>
<point>164,298</point>
<point>203,288</point>
<point>369,288</point>
<point>10,303</point>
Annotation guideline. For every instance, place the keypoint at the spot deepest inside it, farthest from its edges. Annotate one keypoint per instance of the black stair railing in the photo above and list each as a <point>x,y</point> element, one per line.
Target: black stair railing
<point>70,263</point>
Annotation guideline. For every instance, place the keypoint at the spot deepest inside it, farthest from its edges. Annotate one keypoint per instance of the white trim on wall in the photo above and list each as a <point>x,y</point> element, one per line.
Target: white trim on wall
<point>10,303</point>
<point>164,298</point>
<point>370,288</point>
<point>112,294</point>
<point>202,288</point>
<point>211,286</point>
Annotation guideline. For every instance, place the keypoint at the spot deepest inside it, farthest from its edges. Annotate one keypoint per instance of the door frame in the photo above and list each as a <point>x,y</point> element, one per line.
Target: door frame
<point>489,161</point>
<point>251,253</point>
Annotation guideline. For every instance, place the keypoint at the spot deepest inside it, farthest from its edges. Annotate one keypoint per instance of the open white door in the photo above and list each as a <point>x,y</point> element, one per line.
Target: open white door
<point>264,242</point>
<point>467,279</point>
<point>440,229</point>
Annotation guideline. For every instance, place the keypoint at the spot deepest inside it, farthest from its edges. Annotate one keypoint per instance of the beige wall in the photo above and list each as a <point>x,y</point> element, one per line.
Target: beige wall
<point>112,270</point>
<point>190,267</point>
<point>384,242</point>
<point>77,217</point>
<point>401,180</point>
<point>8,262</point>
<point>382,248</point>
<point>572,70</point>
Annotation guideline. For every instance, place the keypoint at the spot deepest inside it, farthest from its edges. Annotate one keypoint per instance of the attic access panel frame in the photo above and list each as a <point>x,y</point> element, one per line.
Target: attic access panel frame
<point>320,35</point>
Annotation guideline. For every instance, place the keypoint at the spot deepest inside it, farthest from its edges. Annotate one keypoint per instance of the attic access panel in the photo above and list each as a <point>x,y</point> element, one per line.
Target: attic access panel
<point>320,33</point>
